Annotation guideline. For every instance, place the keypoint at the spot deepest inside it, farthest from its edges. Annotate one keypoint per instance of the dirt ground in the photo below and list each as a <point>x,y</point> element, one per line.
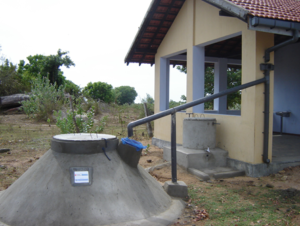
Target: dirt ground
<point>14,163</point>
<point>286,180</point>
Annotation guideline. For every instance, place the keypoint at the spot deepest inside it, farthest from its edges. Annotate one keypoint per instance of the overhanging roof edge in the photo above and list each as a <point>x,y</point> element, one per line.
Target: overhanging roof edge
<point>140,29</point>
<point>230,8</point>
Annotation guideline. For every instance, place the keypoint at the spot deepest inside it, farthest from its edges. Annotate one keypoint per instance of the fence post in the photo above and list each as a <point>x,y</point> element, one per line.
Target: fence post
<point>149,127</point>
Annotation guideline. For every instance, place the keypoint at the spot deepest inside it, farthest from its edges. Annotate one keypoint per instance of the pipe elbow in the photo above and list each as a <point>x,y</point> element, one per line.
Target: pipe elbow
<point>130,129</point>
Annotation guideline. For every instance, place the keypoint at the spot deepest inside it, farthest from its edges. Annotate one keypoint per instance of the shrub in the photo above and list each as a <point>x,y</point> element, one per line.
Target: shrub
<point>73,124</point>
<point>43,100</point>
<point>89,103</point>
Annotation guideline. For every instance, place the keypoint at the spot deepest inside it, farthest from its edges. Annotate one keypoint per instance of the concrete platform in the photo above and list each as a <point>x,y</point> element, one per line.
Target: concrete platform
<point>286,148</point>
<point>203,164</point>
<point>286,153</point>
<point>216,173</point>
<point>198,159</point>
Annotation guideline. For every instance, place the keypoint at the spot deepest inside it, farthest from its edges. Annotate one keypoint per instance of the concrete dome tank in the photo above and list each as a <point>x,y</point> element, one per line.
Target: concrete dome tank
<point>87,179</point>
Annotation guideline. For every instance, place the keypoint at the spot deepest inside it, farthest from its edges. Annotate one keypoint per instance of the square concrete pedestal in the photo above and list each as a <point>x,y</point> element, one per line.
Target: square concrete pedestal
<point>177,189</point>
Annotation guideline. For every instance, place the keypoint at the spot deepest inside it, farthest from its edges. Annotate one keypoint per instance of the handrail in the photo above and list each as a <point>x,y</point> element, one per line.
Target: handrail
<point>190,104</point>
<point>173,111</point>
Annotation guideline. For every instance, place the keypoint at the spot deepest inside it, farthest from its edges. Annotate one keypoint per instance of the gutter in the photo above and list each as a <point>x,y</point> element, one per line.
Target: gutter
<point>272,23</point>
<point>230,8</point>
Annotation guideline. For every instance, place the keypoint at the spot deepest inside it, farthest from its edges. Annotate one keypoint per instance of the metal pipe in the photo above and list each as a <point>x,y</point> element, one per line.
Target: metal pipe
<point>173,148</point>
<point>266,68</point>
<point>190,104</point>
<point>287,42</point>
<point>266,117</point>
<point>281,120</point>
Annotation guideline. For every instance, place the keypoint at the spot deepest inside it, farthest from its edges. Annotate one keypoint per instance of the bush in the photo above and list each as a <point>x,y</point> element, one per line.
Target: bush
<point>74,122</point>
<point>89,103</point>
<point>43,100</point>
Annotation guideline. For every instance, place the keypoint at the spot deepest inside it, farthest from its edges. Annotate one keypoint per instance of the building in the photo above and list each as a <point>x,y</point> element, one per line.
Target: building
<point>253,35</point>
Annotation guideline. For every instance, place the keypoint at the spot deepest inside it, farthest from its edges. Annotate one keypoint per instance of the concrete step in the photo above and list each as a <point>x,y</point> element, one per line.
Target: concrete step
<point>216,173</point>
<point>198,159</point>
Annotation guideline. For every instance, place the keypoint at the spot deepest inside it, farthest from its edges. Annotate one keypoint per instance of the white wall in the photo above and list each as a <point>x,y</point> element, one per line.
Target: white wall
<point>287,88</point>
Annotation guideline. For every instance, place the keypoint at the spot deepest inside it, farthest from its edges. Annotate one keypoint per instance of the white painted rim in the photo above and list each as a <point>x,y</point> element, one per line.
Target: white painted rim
<point>83,137</point>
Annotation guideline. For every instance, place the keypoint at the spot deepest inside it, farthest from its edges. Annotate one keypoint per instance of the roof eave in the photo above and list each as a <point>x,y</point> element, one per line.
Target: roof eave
<point>230,8</point>
<point>140,31</point>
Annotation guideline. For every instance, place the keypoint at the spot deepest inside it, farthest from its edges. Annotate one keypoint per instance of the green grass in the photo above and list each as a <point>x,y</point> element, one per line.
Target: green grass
<point>241,207</point>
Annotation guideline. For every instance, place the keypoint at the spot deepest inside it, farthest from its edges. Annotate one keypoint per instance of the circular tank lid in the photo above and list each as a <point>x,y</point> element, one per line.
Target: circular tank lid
<point>83,137</point>
<point>83,143</point>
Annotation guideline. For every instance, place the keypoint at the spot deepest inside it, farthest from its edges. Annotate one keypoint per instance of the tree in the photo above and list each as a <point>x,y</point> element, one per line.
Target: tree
<point>183,98</point>
<point>233,79</point>
<point>46,66</point>
<point>209,84</point>
<point>10,81</point>
<point>125,94</point>
<point>150,103</point>
<point>148,100</point>
<point>2,58</point>
<point>99,91</point>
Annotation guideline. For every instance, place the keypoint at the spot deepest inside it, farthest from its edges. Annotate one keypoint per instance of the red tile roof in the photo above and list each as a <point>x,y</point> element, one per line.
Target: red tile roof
<point>275,9</point>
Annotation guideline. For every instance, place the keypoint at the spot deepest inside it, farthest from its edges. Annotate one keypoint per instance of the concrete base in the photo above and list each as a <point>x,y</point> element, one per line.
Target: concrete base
<point>178,189</point>
<point>263,169</point>
<point>251,170</point>
<point>198,159</point>
<point>198,173</point>
<point>216,173</point>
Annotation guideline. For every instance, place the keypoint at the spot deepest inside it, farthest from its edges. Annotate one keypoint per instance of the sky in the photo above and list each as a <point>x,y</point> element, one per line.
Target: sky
<point>96,33</point>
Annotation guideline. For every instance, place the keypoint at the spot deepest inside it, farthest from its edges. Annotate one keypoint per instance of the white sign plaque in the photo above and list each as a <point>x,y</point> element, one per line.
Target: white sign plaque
<point>81,177</point>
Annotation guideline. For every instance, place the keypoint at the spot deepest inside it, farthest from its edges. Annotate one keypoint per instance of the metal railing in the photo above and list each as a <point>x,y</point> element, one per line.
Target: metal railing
<point>173,111</point>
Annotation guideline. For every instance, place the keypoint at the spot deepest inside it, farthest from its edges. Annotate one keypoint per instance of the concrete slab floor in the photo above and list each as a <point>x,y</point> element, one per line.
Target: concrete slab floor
<point>286,148</point>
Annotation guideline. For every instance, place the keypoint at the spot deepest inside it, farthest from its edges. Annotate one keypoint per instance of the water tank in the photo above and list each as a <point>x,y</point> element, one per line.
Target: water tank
<point>83,180</point>
<point>199,133</point>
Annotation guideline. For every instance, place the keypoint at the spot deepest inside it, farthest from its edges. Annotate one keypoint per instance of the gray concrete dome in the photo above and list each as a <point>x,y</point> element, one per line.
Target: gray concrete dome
<point>118,194</point>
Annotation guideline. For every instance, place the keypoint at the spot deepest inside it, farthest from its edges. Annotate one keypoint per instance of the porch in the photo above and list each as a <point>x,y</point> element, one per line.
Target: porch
<point>286,148</point>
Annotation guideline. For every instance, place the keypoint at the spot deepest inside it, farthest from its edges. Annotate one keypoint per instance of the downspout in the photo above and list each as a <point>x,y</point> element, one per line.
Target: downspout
<point>267,67</point>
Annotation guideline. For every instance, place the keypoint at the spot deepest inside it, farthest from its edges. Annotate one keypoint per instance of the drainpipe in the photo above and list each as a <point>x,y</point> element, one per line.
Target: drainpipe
<point>266,67</point>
